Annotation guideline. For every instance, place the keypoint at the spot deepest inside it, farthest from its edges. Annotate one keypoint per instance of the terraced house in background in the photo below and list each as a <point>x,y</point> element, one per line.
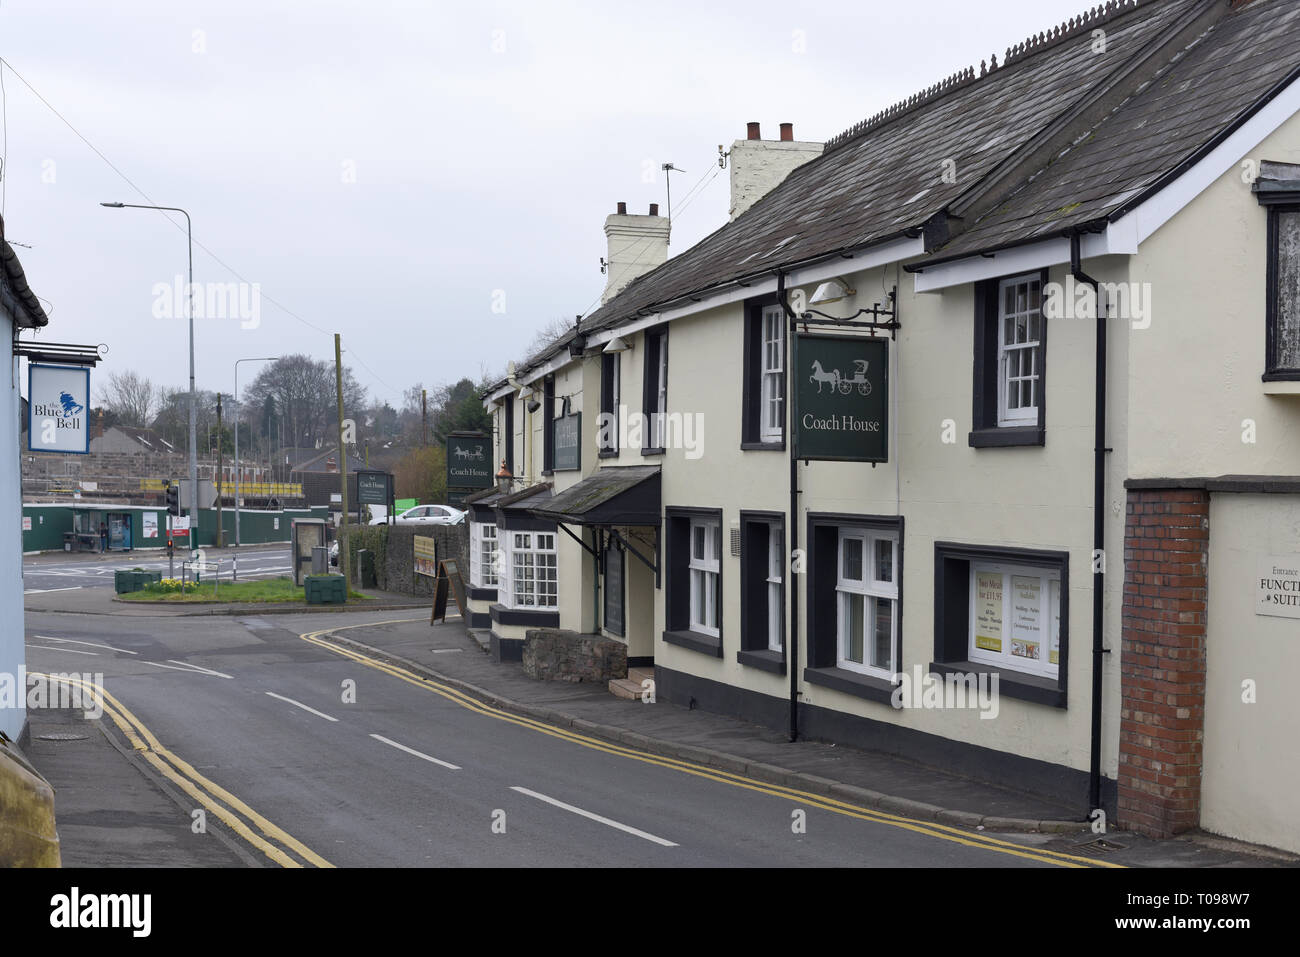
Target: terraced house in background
<point>1079,265</point>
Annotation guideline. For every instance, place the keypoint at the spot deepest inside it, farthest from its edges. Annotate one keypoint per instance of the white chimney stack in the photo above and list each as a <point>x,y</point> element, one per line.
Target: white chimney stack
<point>758,166</point>
<point>637,244</point>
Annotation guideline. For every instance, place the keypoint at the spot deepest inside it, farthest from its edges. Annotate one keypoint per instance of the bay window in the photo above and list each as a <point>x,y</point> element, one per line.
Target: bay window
<point>531,579</point>
<point>483,552</point>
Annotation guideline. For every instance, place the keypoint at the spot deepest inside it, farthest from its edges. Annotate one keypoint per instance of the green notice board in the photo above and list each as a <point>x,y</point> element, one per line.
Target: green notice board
<point>841,398</point>
<point>372,488</point>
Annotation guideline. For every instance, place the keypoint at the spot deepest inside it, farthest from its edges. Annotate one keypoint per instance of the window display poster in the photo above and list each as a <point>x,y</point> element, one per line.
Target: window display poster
<point>150,524</point>
<point>1054,653</point>
<point>988,611</point>
<point>1026,616</point>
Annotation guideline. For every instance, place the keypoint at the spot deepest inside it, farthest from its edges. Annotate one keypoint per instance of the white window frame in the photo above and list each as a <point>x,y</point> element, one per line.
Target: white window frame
<point>1049,618</point>
<point>705,603</point>
<point>1014,353</point>
<point>772,374</point>
<point>775,588</point>
<point>872,590</point>
<point>530,553</point>
<point>483,568</point>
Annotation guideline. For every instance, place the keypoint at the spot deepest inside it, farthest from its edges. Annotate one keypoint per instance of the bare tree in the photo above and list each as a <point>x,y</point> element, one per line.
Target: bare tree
<point>303,391</point>
<point>132,398</point>
<point>555,328</point>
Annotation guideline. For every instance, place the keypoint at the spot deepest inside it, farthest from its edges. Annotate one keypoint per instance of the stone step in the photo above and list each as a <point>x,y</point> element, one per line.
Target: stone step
<point>640,674</point>
<point>625,688</point>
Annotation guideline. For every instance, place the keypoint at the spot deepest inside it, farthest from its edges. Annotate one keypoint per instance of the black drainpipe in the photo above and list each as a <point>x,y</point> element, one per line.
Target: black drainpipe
<point>792,640</point>
<point>1098,522</point>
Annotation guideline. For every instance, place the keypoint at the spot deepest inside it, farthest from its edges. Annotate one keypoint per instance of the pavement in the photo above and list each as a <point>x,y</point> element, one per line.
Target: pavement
<point>112,809</point>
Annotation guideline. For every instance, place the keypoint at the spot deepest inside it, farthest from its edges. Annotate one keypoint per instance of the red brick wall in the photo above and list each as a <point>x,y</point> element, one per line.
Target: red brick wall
<point>1162,685</point>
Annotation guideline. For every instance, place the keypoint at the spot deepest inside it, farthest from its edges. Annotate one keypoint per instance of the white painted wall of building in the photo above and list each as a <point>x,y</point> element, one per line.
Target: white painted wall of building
<point>1201,360</point>
<point>13,653</point>
<point>1032,498</point>
<point>1250,773</point>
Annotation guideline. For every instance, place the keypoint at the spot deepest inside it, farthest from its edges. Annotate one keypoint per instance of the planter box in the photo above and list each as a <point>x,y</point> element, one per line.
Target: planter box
<point>325,589</point>
<point>126,580</point>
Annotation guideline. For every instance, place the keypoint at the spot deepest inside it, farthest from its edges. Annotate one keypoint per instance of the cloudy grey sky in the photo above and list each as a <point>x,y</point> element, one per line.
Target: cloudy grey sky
<point>383,168</point>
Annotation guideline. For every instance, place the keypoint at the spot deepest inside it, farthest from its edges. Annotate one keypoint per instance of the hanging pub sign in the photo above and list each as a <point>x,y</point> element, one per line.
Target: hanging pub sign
<point>567,442</point>
<point>469,461</point>
<point>841,398</point>
<point>57,408</point>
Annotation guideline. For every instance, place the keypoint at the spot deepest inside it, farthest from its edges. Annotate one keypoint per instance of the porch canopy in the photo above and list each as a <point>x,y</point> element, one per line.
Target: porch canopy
<point>615,495</point>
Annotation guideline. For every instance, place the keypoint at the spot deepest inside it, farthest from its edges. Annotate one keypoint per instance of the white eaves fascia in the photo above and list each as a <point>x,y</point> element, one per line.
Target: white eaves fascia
<point>556,363</point>
<point>868,257</point>
<point>1125,235</point>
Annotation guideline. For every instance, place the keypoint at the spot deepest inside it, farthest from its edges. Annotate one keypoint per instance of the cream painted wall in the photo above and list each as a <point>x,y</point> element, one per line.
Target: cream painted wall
<point>1251,775</point>
<point>1033,498</point>
<point>1196,371</point>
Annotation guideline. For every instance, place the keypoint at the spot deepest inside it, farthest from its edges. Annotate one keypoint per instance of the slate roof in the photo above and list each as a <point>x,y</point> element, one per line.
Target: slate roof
<point>14,290</point>
<point>888,180</point>
<point>609,495</point>
<point>882,178</point>
<point>1187,108</point>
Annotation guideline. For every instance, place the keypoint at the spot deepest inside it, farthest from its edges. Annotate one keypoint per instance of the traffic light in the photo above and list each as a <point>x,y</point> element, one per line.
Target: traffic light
<point>173,499</point>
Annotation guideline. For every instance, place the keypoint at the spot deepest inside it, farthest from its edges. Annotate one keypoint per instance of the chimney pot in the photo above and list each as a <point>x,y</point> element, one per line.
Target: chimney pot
<point>654,209</point>
<point>787,132</point>
<point>752,131</point>
<point>622,209</point>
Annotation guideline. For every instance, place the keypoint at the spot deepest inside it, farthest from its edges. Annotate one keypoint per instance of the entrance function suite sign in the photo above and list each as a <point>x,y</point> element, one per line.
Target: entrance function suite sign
<point>1278,591</point>
<point>57,416</point>
<point>841,410</point>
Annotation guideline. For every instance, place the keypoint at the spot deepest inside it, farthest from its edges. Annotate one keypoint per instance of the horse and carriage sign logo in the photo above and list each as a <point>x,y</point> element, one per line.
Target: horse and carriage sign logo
<point>841,408</point>
<point>845,384</point>
<point>469,461</point>
<point>57,400</point>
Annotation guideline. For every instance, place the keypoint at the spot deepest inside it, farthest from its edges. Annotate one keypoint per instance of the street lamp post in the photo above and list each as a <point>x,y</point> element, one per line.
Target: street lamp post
<point>234,574</point>
<point>194,448</point>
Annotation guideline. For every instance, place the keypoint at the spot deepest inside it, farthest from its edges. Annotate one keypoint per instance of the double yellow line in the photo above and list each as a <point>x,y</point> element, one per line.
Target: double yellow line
<point>280,847</point>
<point>803,798</point>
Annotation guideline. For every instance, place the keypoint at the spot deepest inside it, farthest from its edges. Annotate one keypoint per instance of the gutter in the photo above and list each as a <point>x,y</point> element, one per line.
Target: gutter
<point>792,639</point>
<point>1098,522</point>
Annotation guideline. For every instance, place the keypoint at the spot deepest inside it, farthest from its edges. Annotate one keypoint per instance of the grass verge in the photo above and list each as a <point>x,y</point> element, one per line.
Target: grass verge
<point>269,590</point>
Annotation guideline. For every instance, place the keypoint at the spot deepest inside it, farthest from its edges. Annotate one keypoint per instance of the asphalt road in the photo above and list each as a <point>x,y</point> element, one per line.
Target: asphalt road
<point>404,777</point>
<point>56,573</point>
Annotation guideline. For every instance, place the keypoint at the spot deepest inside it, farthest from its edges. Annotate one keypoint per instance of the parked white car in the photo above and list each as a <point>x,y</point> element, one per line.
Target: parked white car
<point>427,515</point>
